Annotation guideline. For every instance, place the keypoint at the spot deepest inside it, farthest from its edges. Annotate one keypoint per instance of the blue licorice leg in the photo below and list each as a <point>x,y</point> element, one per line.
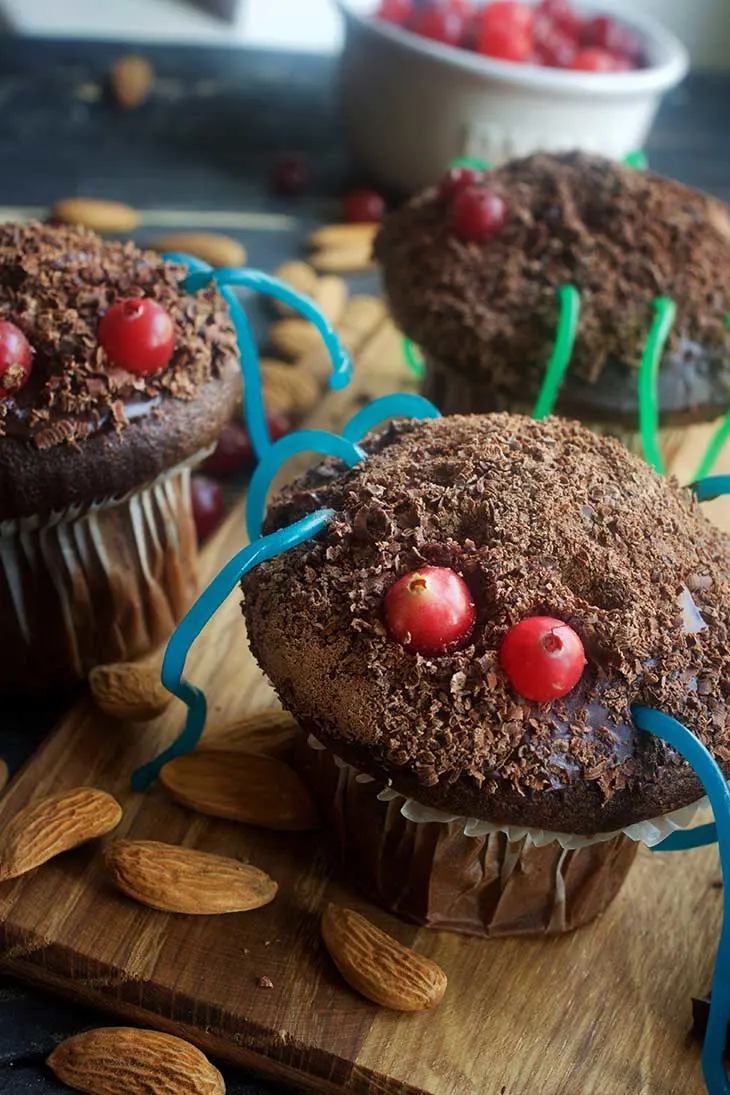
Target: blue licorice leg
<point>195,621</point>
<point>400,405</point>
<point>691,748</point>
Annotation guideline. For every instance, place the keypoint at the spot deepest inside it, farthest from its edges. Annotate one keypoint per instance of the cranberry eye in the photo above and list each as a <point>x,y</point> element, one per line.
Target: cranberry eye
<point>543,658</point>
<point>16,359</point>
<point>429,611</point>
<point>138,335</point>
<point>478,214</point>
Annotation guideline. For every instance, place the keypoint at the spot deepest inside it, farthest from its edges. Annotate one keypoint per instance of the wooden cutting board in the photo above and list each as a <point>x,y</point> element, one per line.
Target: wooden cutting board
<point>605,1011</point>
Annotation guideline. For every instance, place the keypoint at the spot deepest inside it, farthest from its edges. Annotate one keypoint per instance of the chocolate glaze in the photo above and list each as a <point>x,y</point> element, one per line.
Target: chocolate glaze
<point>489,311</point>
<point>432,874</point>
<point>539,518</point>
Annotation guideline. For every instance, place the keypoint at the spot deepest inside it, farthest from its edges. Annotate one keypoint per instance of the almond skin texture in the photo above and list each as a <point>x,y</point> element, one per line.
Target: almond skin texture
<point>55,824</point>
<point>379,967</point>
<point>183,880</point>
<point>270,732</point>
<point>132,693</point>
<point>293,337</point>
<point>288,389</point>
<point>102,216</point>
<point>257,790</point>
<point>343,260</point>
<point>126,1061</point>
<point>338,236</point>
<point>301,277</point>
<point>131,80</point>
<point>331,295</point>
<point>212,247</point>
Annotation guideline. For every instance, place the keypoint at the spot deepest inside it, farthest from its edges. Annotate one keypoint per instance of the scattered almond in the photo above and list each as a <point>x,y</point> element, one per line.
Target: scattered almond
<point>293,337</point>
<point>378,966</point>
<point>4,774</point>
<point>301,277</point>
<point>212,247</point>
<point>362,315</point>
<point>128,691</point>
<point>288,390</point>
<point>183,880</point>
<point>257,790</point>
<point>343,260</point>
<point>131,79</point>
<point>331,295</point>
<point>338,236</point>
<point>270,732</point>
<point>55,824</point>
<point>127,1061</point>
<point>102,216</point>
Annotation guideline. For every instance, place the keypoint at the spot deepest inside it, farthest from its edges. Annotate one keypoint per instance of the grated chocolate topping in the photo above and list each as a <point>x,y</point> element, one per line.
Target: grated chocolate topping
<point>540,518</point>
<point>55,283</point>
<point>623,237</point>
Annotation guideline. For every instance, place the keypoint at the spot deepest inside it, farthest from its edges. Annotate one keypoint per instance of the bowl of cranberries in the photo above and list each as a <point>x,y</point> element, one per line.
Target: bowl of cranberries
<point>425,82</point>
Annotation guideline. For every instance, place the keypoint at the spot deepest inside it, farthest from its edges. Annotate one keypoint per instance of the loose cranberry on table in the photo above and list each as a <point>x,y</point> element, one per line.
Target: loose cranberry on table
<point>363,207</point>
<point>207,503</point>
<point>478,214</point>
<point>543,658</point>
<point>137,335</point>
<point>234,450</point>
<point>506,31</point>
<point>16,359</point>
<point>291,174</point>
<point>457,179</point>
<point>430,611</point>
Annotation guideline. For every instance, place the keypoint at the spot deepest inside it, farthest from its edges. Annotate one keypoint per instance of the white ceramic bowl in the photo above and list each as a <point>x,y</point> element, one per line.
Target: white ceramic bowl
<point>412,105</point>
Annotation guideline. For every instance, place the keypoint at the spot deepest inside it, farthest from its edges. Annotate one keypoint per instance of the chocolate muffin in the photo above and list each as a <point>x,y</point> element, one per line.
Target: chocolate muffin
<point>459,802</point>
<point>97,542</point>
<point>485,313</point>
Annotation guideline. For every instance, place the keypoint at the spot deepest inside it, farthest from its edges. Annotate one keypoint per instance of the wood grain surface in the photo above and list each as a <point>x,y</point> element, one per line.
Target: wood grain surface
<point>605,1011</point>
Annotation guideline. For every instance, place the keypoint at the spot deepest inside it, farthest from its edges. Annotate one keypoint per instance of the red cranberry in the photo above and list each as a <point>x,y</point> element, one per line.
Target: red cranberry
<point>439,23</point>
<point>430,611</point>
<point>291,174</point>
<point>363,206</point>
<point>606,33</point>
<point>478,214</point>
<point>234,449</point>
<point>137,335</point>
<point>208,506</point>
<point>506,31</point>
<point>543,658</point>
<point>395,11</point>
<point>598,60</point>
<point>553,48</point>
<point>16,359</point>
<point>561,15</point>
<point>457,179</point>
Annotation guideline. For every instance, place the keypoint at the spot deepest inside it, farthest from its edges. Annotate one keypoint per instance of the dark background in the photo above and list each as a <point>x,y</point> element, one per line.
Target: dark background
<point>205,141</point>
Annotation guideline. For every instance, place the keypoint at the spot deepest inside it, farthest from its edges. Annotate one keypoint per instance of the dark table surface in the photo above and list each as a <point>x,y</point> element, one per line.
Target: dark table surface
<point>205,142</point>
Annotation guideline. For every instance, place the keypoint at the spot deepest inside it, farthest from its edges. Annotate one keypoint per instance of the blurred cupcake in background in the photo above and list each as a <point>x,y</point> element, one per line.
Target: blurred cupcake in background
<point>568,283</point>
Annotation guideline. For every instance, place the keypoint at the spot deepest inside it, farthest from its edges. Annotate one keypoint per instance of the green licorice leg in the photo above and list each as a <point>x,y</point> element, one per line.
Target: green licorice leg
<point>569,298</point>
<point>637,160</point>
<point>470,161</point>
<point>715,447</point>
<point>664,312</point>
<point>413,357</point>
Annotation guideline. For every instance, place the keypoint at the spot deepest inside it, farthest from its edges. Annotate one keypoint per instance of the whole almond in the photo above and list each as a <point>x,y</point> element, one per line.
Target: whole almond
<point>212,247</point>
<point>258,790</point>
<point>331,295</point>
<point>293,337</point>
<point>127,1061</point>
<point>343,260</point>
<point>362,315</point>
<point>378,966</point>
<point>55,824</point>
<point>270,732</point>
<point>124,690</point>
<point>183,880</point>
<point>301,277</point>
<point>288,390</point>
<point>96,213</point>
<point>131,79</point>
<point>338,236</point>
<point>4,774</point>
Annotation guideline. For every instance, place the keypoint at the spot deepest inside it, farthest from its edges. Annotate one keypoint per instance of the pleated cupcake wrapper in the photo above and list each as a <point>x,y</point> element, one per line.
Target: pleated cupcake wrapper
<point>650,833</point>
<point>96,583</point>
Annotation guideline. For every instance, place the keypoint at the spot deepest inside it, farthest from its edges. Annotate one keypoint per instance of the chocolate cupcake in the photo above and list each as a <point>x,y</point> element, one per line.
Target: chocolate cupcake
<point>571,265</point>
<point>113,382</point>
<point>464,640</point>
